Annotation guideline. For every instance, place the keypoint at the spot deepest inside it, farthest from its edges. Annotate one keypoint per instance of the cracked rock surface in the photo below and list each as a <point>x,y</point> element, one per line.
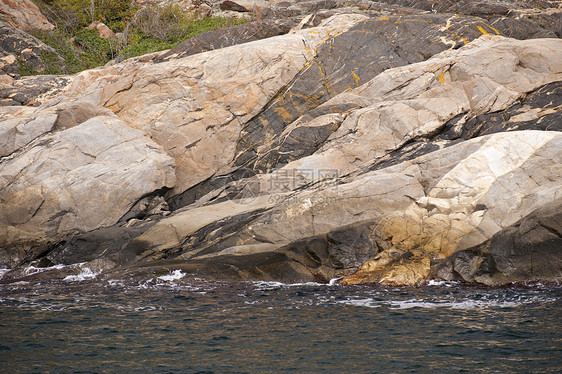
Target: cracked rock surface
<point>371,143</point>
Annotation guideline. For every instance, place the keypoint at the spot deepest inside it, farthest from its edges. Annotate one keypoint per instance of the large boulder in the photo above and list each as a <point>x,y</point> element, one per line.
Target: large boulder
<point>194,106</point>
<point>73,180</point>
<point>191,107</point>
<point>417,211</point>
<point>24,15</point>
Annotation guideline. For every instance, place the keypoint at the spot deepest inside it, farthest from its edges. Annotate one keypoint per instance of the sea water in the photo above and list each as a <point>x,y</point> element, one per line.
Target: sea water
<point>179,324</point>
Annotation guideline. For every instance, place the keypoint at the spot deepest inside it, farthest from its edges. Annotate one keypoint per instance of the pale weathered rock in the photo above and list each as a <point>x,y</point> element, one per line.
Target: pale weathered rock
<point>348,61</point>
<point>416,101</point>
<point>469,204</point>
<point>90,176</point>
<point>18,128</point>
<point>421,210</point>
<point>23,15</point>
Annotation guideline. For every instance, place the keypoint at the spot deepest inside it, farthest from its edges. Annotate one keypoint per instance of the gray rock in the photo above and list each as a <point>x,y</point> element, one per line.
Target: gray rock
<point>32,90</point>
<point>227,37</point>
<point>76,180</point>
<point>527,251</point>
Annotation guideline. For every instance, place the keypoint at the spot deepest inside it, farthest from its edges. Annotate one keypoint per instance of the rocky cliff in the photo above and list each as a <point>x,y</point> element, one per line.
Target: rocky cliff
<point>392,142</point>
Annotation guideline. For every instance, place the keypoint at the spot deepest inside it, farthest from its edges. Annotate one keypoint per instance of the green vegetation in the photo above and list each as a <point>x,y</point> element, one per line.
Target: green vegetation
<point>140,31</point>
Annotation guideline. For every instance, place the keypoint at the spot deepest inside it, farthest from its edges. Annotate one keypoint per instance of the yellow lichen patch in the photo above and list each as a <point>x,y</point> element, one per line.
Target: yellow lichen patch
<point>460,37</point>
<point>496,31</point>
<point>442,78</point>
<point>383,18</point>
<point>397,22</point>
<point>311,100</point>
<point>482,30</point>
<point>355,78</point>
<point>327,86</point>
<point>282,112</point>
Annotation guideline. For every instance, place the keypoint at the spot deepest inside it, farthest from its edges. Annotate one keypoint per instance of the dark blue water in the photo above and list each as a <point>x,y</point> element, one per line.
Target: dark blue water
<point>180,325</point>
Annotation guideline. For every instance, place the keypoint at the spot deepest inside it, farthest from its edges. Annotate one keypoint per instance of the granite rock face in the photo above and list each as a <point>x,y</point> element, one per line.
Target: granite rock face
<point>24,15</point>
<point>362,145</point>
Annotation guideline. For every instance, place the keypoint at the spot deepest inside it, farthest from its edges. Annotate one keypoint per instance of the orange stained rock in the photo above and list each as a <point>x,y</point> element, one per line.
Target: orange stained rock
<point>393,267</point>
<point>355,78</point>
<point>282,112</point>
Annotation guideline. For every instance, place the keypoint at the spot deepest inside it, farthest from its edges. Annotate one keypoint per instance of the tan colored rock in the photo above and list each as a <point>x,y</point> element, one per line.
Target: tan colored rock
<point>489,190</point>
<point>104,32</point>
<point>429,207</point>
<point>88,156</point>
<point>5,79</point>
<point>23,15</point>
<point>195,106</point>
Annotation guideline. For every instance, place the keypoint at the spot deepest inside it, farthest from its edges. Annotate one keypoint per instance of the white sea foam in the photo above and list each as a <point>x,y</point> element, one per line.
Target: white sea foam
<point>271,285</point>
<point>147,308</point>
<point>334,282</point>
<point>368,302</point>
<point>85,274</point>
<point>34,270</point>
<point>430,304</point>
<point>116,282</point>
<point>3,271</point>
<point>175,275</point>
<point>464,304</point>
<point>441,283</point>
<point>267,286</point>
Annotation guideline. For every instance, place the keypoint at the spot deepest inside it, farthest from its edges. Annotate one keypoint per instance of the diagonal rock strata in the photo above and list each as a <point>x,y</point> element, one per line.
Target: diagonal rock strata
<point>418,154</point>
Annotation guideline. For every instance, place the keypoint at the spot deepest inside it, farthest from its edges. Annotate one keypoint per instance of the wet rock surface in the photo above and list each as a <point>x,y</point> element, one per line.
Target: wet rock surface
<point>375,142</point>
<point>529,250</point>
